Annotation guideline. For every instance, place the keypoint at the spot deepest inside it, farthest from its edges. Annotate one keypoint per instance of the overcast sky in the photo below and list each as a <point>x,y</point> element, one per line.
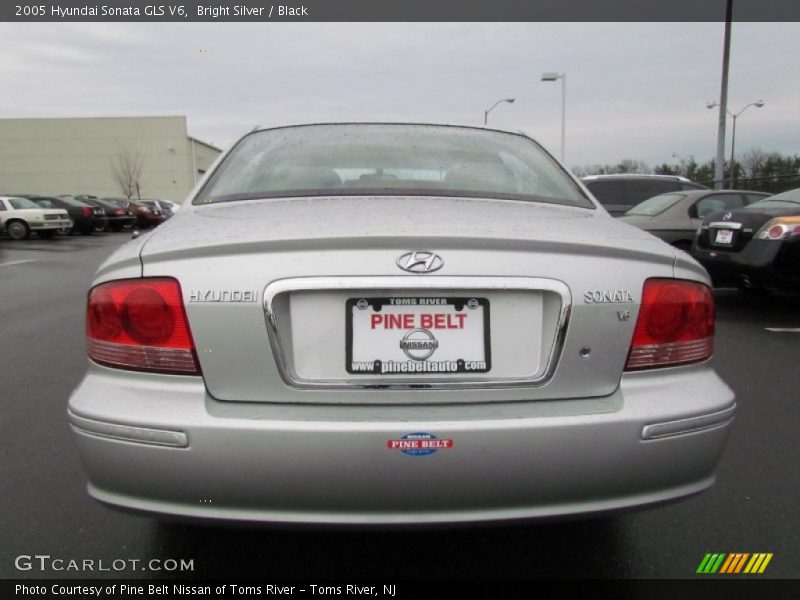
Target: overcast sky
<point>634,90</point>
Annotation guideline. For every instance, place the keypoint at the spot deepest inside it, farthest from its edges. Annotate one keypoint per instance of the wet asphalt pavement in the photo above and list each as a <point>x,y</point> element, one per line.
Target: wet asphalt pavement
<point>44,508</point>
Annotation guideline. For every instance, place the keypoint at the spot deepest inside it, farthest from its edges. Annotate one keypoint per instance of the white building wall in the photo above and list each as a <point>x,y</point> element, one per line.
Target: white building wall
<point>75,155</point>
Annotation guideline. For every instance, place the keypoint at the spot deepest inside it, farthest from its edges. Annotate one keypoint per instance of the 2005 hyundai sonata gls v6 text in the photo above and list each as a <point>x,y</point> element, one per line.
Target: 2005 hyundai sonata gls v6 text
<point>385,324</point>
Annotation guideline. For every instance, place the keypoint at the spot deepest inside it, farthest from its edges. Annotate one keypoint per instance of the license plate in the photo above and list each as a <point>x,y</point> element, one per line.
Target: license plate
<point>724,236</point>
<point>417,335</point>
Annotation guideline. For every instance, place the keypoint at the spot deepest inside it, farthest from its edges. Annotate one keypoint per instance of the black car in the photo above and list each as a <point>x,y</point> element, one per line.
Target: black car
<point>85,218</point>
<point>754,247</point>
<point>120,216</point>
<point>621,192</point>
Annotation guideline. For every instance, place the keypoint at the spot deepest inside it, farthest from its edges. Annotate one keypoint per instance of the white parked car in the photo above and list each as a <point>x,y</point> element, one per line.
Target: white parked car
<point>21,216</point>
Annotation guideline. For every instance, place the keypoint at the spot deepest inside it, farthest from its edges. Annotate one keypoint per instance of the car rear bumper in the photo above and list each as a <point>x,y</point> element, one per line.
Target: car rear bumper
<point>762,263</point>
<point>160,444</point>
<point>148,221</point>
<point>50,225</point>
<point>126,221</point>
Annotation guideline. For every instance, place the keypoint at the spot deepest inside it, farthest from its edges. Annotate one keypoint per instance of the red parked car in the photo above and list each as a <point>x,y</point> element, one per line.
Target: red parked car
<point>146,216</point>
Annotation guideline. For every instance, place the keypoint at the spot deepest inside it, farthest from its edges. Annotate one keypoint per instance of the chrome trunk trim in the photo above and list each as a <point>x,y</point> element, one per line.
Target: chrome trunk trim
<point>415,284</point>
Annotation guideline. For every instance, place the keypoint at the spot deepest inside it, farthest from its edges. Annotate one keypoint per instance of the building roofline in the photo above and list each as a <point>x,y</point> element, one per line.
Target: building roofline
<point>40,118</point>
<point>212,146</point>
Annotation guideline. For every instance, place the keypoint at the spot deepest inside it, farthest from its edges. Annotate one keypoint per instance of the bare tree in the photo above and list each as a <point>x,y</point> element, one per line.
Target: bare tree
<point>630,165</point>
<point>127,167</point>
<point>627,165</point>
<point>753,161</point>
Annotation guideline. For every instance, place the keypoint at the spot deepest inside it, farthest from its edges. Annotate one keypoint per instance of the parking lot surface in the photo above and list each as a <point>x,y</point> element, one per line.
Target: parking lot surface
<point>45,509</point>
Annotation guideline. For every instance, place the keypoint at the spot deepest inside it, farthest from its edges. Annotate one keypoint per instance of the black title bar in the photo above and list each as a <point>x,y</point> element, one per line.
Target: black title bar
<point>400,10</point>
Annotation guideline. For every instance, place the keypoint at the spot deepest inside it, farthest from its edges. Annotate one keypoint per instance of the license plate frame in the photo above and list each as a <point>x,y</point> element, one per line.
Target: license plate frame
<point>471,363</point>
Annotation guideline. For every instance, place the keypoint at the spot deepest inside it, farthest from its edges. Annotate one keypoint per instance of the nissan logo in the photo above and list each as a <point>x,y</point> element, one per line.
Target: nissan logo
<point>419,344</point>
<point>420,261</point>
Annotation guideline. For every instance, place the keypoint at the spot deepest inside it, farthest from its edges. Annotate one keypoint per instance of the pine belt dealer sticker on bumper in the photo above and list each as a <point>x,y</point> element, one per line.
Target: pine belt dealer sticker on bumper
<point>419,444</point>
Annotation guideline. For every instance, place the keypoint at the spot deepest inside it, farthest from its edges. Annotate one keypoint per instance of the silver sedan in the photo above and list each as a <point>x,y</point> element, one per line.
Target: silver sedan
<point>390,324</point>
<point>675,217</point>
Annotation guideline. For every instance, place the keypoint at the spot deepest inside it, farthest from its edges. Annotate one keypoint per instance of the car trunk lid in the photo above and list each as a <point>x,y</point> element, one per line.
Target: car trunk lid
<point>271,288</point>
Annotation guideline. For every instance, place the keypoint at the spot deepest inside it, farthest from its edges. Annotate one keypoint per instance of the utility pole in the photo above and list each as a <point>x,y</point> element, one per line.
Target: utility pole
<point>719,163</point>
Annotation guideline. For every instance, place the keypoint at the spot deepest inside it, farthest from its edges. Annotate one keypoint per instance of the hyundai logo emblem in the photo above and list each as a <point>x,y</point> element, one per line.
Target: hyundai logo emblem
<point>420,261</point>
<point>727,216</point>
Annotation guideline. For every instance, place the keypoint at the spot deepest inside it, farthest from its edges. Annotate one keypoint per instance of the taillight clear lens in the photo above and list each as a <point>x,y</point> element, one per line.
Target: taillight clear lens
<point>675,325</point>
<point>779,228</point>
<point>140,324</point>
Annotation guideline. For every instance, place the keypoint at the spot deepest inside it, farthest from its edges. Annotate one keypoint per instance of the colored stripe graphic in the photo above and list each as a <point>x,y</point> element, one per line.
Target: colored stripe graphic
<point>758,563</point>
<point>734,563</point>
<point>711,563</point>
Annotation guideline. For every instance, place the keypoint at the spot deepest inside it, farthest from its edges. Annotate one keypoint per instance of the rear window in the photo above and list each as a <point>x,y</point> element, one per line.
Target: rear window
<point>74,202</point>
<point>22,203</point>
<point>390,160</point>
<point>607,192</point>
<point>45,202</point>
<point>118,202</point>
<point>655,205</point>
<point>639,190</point>
<point>790,198</point>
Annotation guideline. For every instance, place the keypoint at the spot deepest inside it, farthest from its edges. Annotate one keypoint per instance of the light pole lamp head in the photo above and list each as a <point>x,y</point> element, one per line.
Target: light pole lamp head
<point>758,104</point>
<point>550,76</point>
<point>711,104</point>
<point>510,100</point>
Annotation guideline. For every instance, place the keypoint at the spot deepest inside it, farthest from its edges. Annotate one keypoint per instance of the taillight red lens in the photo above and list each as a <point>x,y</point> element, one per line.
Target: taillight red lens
<point>140,324</point>
<point>675,325</point>
<point>118,212</point>
<point>87,212</point>
<point>775,232</point>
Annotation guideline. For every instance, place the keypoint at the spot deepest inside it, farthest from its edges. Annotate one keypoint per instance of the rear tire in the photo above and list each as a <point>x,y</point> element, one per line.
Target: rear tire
<point>17,230</point>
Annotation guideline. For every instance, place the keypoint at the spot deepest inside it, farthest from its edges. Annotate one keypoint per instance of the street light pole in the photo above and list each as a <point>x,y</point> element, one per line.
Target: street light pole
<point>490,109</point>
<point>734,116</point>
<point>758,104</point>
<point>683,161</point>
<point>563,78</point>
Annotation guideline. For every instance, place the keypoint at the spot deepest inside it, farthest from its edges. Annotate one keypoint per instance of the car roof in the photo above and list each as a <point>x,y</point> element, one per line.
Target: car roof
<point>693,193</point>
<point>792,193</point>
<point>634,176</point>
<point>392,124</point>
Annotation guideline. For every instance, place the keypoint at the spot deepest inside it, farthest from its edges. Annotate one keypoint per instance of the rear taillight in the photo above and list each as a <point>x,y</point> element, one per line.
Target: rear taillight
<point>140,324</point>
<point>118,212</point>
<point>675,325</point>
<point>87,212</point>
<point>779,228</point>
